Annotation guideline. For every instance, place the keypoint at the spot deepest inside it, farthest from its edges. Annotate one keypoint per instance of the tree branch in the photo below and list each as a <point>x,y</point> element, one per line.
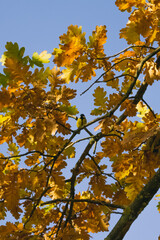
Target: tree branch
<point>27,153</point>
<point>35,205</point>
<point>74,175</point>
<point>75,171</point>
<point>77,141</point>
<point>149,108</point>
<point>101,172</point>
<point>122,117</point>
<point>135,208</point>
<point>119,76</point>
<point>98,202</point>
<point>143,87</point>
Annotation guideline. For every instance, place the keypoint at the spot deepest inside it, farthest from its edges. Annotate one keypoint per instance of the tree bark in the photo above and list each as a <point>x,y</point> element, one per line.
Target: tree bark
<point>135,208</point>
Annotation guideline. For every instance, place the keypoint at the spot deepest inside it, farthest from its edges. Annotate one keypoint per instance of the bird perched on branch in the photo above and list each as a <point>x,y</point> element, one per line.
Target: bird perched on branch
<point>81,121</point>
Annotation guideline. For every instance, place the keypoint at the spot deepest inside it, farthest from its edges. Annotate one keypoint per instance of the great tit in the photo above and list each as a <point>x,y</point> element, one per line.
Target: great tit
<point>81,121</point>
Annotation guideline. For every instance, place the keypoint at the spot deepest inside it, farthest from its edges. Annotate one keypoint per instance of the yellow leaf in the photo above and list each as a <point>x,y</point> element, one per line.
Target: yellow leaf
<point>20,226</point>
<point>71,47</point>
<point>51,125</point>
<point>99,126</point>
<point>3,119</point>
<point>96,42</point>
<point>3,59</point>
<point>110,81</point>
<point>130,108</point>
<point>42,57</point>
<point>103,223</point>
<point>142,109</point>
<point>32,160</point>
<point>128,4</point>
<point>8,229</point>
<point>153,35</point>
<point>130,33</point>
<point>151,72</point>
<point>67,74</point>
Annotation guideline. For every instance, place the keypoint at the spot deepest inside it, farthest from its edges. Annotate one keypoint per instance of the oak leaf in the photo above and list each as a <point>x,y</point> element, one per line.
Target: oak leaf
<point>128,4</point>
<point>100,97</point>
<point>71,47</point>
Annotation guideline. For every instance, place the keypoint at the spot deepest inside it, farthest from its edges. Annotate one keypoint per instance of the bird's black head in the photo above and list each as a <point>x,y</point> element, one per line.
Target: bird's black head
<point>82,116</point>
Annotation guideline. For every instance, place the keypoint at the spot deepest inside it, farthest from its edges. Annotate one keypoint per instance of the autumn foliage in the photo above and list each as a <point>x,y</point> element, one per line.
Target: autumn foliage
<point>41,163</point>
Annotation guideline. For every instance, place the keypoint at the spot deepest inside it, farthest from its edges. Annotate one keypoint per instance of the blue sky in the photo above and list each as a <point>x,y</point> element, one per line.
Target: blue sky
<point>37,25</point>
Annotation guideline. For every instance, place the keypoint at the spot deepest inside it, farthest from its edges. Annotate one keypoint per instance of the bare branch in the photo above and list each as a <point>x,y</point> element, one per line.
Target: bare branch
<point>101,172</point>
<point>53,160</point>
<point>149,107</point>
<point>61,218</point>
<point>64,126</point>
<point>107,72</point>
<point>135,208</point>
<point>122,75</point>
<point>143,87</point>
<point>27,153</point>
<point>75,171</point>
<point>77,141</point>
<point>98,202</point>
<point>124,50</point>
<point>137,98</point>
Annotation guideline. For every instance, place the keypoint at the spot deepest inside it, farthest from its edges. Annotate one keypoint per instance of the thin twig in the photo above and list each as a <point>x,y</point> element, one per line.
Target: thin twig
<point>64,126</point>
<point>79,140</point>
<point>122,75</point>
<point>61,218</point>
<point>106,72</point>
<point>101,172</point>
<point>124,50</point>
<point>143,87</point>
<point>112,135</point>
<point>99,169</point>
<point>117,212</point>
<point>149,107</point>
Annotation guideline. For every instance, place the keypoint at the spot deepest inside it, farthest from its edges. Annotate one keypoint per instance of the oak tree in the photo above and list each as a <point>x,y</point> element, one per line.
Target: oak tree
<point>47,159</point>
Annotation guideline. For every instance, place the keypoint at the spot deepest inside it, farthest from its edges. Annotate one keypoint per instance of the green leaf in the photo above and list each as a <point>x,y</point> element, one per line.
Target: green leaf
<point>70,152</point>
<point>72,110</point>
<point>97,111</point>
<point>13,148</point>
<point>49,207</point>
<point>14,152</point>
<point>12,50</point>
<point>21,51</point>
<point>3,80</point>
<point>35,62</point>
